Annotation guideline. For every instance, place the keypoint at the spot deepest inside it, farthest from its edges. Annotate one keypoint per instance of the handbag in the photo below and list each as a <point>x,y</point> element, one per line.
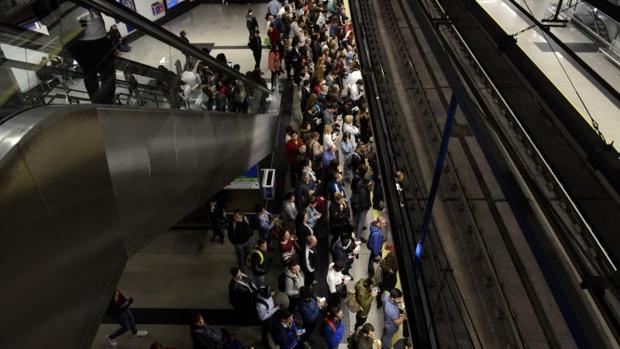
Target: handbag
<point>352,303</point>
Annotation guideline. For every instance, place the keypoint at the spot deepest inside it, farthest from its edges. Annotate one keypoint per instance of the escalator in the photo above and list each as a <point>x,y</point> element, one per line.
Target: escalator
<point>84,186</point>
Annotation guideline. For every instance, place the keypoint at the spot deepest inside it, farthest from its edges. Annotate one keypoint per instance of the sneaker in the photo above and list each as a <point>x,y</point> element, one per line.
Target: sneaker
<point>141,333</point>
<point>111,342</point>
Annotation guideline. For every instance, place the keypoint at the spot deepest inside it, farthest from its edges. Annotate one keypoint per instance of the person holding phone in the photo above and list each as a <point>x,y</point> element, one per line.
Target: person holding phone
<point>286,334</point>
<point>265,309</point>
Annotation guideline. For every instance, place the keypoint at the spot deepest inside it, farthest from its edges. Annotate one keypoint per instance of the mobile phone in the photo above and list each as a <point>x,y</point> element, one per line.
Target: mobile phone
<point>301,331</point>
<point>322,299</point>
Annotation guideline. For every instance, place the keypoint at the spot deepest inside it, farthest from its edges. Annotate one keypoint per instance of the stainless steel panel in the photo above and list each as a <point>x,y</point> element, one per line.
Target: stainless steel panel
<point>82,188</point>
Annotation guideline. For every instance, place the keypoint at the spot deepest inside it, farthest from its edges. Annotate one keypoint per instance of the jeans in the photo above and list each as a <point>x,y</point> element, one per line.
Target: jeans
<point>386,339</point>
<point>242,251</point>
<point>360,220</point>
<point>127,322</point>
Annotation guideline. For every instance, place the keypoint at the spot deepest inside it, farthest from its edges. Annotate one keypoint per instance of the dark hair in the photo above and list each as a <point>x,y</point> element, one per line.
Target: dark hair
<point>367,328</point>
<point>333,311</point>
<point>237,210</point>
<point>261,241</point>
<point>234,271</point>
<point>396,293</point>
<point>196,317</point>
<point>258,208</point>
<point>285,314</point>
<point>338,265</point>
<point>289,195</point>
<point>306,292</point>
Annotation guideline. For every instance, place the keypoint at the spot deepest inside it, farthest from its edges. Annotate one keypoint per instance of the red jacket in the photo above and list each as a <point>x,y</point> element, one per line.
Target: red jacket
<point>291,149</point>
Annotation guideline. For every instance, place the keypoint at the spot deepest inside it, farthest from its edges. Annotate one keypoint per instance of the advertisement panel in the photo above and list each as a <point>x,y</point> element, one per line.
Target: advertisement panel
<point>248,180</point>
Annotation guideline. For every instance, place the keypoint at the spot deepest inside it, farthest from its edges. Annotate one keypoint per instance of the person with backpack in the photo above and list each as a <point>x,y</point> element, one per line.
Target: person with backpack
<point>364,338</point>
<point>332,328</point>
<point>336,283</point>
<point>250,22</point>
<point>309,259</point>
<point>265,309</point>
<point>204,336</point>
<point>256,45</point>
<point>285,333</point>
<point>290,282</point>
<point>310,311</point>
<point>258,262</point>
<point>360,204</point>
<point>375,243</point>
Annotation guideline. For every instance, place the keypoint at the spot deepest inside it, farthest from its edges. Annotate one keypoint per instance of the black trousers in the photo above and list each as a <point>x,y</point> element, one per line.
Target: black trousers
<point>96,58</point>
<point>257,57</point>
<point>265,330</point>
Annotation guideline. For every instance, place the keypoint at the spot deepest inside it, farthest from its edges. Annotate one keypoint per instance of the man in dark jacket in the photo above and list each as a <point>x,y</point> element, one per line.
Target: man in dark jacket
<point>119,310</point>
<point>259,262</point>
<point>217,219</point>
<point>360,203</point>
<point>241,293</point>
<point>309,260</point>
<point>250,22</point>
<point>239,233</point>
<point>285,333</point>
<point>256,45</point>
<point>375,243</point>
<point>204,336</point>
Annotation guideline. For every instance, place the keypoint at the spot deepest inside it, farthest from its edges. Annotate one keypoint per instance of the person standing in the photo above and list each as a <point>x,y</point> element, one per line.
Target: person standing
<point>259,262</point>
<point>333,328</point>
<point>375,243</point>
<point>364,338</point>
<point>310,310</point>
<point>274,65</point>
<point>273,8</point>
<point>293,282</point>
<point>250,22</point>
<point>255,44</point>
<point>94,53</point>
<point>360,204</point>
<point>119,310</point>
<point>392,316</point>
<point>239,233</point>
<point>217,219</point>
<point>285,334</point>
<point>364,295</point>
<point>241,293</point>
<point>188,58</point>
<point>309,260</point>
<point>265,223</point>
<point>265,309</point>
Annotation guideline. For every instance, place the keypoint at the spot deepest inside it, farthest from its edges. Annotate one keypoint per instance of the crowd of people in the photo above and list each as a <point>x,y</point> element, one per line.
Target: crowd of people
<point>335,184</point>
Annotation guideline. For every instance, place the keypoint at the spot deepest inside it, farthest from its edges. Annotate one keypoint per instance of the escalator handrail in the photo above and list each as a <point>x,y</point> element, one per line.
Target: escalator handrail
<point>141,23</point>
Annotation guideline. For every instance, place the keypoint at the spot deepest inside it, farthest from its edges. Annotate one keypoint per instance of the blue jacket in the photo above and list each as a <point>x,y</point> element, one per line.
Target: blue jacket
<point>375,240</point>
<point>332,335</point>
<point>285,337</point>
<point>309,311</point>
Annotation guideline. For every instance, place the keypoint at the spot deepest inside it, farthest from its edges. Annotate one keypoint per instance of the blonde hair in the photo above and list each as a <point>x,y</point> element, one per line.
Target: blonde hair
<point>348,119</point>
<point>327,128</point>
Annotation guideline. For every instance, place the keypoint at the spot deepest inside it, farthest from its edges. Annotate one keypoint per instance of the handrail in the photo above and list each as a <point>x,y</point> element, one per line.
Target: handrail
<point>123,14</point>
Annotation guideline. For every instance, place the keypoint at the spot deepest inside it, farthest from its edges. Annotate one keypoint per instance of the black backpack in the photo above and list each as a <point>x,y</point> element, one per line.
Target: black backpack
<point>282,282</point>
<point>249,22</point>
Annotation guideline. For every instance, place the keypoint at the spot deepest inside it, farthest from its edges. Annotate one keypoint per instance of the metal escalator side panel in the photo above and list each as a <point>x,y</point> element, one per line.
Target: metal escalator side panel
<point>160,161</point>
<point>84,187</point>
<point>62,249</point>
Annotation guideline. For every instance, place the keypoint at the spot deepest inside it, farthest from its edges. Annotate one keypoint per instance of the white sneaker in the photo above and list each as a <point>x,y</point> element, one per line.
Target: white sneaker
<point>141,333</point>
<point>111,342</point>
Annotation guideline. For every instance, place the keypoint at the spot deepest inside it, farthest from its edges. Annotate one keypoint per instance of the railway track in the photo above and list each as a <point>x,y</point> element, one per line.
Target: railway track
<point>483,287</point>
